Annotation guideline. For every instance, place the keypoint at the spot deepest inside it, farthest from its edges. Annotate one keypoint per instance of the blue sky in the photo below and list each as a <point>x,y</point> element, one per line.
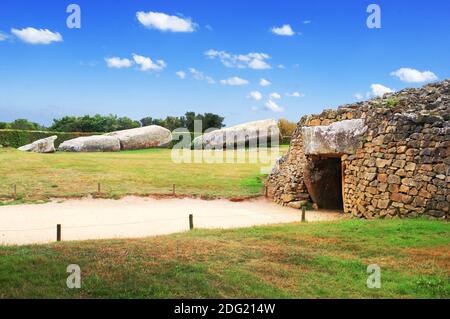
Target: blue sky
<point>332,57</point>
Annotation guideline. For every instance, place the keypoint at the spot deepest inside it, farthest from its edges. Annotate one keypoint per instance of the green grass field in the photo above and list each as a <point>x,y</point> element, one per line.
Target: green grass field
<point>316,260</point>
<point>41,176</point>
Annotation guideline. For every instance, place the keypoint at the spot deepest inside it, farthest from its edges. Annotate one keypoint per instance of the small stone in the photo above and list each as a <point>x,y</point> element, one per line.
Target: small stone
<point>399,163</point>
<point>404,189</point>
<point>383,203</point>
<point>381,163</point>
<point>286,198</point>
<point>401,149</point>
<point>393,179</point>
<point>298,204</point>
<point>396,197</point>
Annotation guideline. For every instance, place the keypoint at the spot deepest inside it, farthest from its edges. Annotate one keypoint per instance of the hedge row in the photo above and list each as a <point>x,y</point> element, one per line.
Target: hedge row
<point>18,138</point>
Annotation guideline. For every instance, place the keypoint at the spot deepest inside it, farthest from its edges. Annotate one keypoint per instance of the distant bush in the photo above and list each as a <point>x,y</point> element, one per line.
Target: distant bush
<point>18,138</point>
<point>96,123</point>
<point>392,102</point>
<point>208,120</point>
<point>21,124</point>
<point>286,127</point>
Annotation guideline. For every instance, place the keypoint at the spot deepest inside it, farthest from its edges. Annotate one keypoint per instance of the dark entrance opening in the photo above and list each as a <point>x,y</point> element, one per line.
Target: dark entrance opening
<point>323,179</point>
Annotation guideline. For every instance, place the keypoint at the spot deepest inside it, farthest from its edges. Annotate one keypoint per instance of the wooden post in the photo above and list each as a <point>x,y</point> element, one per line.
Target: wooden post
<point>58,232</point>
<point>266,191</point>
<point>15,191</point>
<point>303,214</point>
<point>99,188</point>
<point>173,189</point>
<point>191,221</point>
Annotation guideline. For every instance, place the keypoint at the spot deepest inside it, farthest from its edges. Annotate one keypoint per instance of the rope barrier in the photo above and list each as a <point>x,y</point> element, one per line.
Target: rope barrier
<point>137,222</point>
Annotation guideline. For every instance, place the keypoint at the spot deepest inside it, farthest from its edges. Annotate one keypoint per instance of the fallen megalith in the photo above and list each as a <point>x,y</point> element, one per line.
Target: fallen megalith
<point>45,145</point>
<point>250,133</point>
<point>142,137</point>
<point>95,143</point>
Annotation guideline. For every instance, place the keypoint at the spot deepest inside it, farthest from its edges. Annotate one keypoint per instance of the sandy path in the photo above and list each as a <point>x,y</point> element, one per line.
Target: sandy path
<point>136,217</point>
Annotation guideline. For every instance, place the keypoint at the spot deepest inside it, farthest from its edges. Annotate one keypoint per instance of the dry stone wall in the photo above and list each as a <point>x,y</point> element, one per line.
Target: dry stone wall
<point>401,167</point>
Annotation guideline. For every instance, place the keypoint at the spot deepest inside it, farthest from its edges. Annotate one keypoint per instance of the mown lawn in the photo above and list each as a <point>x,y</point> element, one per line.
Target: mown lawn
<point>152,171</point>
<point>315,260</point>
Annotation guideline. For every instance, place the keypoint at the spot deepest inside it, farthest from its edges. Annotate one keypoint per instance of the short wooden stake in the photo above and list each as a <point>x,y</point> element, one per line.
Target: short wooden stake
<point>303,214</point>
<point>99,188</point>
<point>266,192</point>
<point>191,221</point>
<point>173,189</point>
<point>58,232</point>
<point>15,191</point>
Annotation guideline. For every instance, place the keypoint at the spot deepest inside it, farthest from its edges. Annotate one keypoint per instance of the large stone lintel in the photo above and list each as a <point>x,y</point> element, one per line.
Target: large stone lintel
<point>342,137</point>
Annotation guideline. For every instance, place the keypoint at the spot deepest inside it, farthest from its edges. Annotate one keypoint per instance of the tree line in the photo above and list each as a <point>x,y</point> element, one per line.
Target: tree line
<point>109,123</point>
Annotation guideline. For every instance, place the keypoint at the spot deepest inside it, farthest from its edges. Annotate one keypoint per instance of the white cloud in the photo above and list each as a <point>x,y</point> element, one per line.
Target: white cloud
<point>37,36</point>
<point>285,30</point>
<point>295,94</point>
<point>380,90</point>
<point>164,22</point>
<point>181,74</point>
<point>414,76</point>
<point>3,36</point>
<point>208,27</point>
<point>255,95</point>
<point>234,81</point>
<point>307,22</point>
<point>118,63</point>
<point>281,66</point>
<point>359,96</point>
<point>274,107</point>
<point>200,76</point>
<point>264,82</point>
<point>254,109</point>
<point>256,61</point>
<point>147,63</point>
<point>274,96</point>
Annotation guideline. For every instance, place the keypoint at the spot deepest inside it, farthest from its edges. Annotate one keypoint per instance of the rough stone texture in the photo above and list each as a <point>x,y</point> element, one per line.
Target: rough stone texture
<point>401,168</point>
<point>240,134</point>
<point>95,143</point>
<point>143,137</point>
<point>336,138</point>
<point>45,145</point>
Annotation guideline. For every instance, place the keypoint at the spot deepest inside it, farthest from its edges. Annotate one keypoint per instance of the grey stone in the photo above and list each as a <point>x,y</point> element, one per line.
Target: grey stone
<point>143,137</point>
<point>336,138</point>
<point>240,134</point>
<point>95,143</point>
<point>45,145</point>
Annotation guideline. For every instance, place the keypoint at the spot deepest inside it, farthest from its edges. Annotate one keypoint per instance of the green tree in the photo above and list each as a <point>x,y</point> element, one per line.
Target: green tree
<point>146,121</point>
<point>125,123</point>
<point>23,124</point>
